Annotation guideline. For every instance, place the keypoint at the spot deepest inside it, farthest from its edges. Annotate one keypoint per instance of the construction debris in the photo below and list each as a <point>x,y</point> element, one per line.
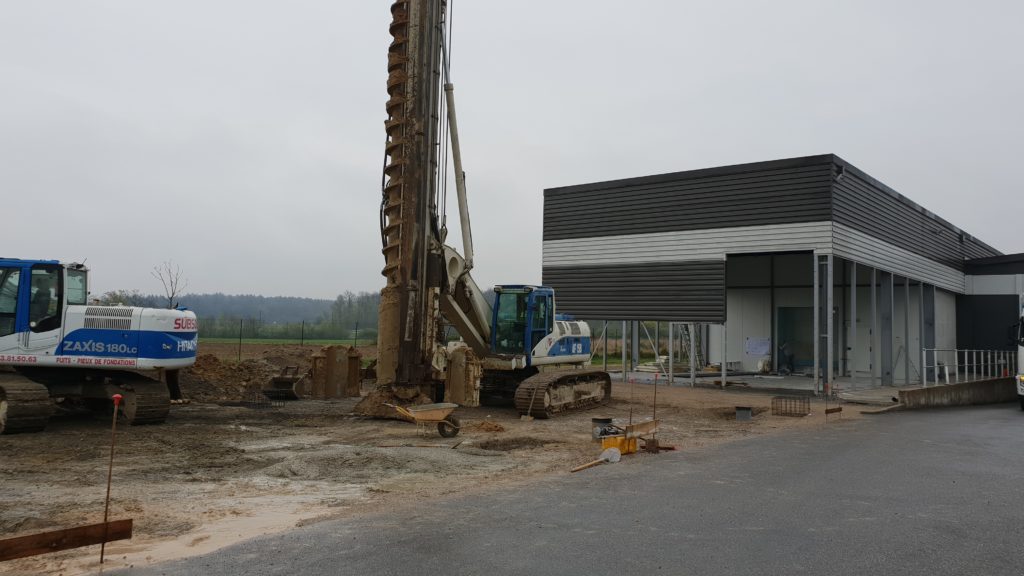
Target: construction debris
<point>376,403</point>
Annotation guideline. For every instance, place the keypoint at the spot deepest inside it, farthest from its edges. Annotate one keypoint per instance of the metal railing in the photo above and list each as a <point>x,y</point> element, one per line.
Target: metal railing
<point>950,366</point>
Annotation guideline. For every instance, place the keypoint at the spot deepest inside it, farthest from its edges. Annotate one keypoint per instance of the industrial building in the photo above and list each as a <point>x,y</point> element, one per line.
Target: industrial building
<point>775,256</point>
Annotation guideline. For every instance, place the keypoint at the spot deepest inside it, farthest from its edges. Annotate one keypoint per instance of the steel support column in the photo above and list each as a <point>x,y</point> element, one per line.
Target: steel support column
<point>725,357</point>
<point>625,367</point>
<point>906,331</point>
<point>671,354</point>
<point>886,343</point>
<point>830,323</point>
<point>693,352</point>
<point>928,315</point>
<point>657,340</point>
<point>635,345</point>
<point>920,331</point>
<point>873,353</point>
<point>853,322</point>
<point>604,341</point>
<point>816,336</point>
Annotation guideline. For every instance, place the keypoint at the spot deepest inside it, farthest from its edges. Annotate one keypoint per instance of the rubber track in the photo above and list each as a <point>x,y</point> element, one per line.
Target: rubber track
<point>28,404</point>
<point>532,394</point>
<point>146,401</point>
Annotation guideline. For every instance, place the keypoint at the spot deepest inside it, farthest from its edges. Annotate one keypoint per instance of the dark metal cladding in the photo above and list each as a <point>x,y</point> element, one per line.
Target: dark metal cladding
<point>865,204</point>
<point>776,192</point>
<point>997,265</point>
<point>677,291</point>
<point>986,322</point>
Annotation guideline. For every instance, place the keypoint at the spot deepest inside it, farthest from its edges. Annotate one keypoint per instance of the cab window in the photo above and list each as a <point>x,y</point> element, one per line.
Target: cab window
<point>76,288</point>
<point>540,316</point>
<point>510,327</point>
<point>9,282</point>
<point>44,299</point>
<point>541,320</point>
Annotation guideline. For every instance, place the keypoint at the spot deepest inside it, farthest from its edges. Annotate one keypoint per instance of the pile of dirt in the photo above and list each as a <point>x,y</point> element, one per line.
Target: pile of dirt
<point>483,426</point>
<point>373,404</point>
<point>212,380</point>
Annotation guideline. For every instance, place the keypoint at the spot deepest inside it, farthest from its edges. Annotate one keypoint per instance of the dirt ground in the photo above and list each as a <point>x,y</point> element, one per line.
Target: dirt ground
<point>217,473</point>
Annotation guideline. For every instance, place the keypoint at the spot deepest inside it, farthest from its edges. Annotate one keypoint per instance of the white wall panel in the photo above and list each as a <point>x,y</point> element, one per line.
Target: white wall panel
<point>993,285</point>
<point>681,246</point>
<point>854,245</point>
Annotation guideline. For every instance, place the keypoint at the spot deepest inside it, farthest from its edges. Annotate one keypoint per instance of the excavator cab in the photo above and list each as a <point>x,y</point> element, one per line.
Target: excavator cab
<point>33,297</point>
<point>522,317</point>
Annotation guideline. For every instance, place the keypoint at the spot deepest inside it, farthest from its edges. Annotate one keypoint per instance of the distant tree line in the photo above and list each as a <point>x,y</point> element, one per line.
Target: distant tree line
<point>349,315</point>
<point>270,317</point>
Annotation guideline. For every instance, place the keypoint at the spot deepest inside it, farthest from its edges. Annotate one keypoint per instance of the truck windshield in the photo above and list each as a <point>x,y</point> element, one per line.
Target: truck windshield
<point>510,325</point>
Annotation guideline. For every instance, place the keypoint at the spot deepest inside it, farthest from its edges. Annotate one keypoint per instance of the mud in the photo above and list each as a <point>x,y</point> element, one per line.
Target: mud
<point>215,474</point>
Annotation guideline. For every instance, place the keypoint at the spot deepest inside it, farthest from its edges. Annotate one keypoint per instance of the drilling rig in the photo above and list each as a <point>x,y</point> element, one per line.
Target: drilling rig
<point>519,349</point>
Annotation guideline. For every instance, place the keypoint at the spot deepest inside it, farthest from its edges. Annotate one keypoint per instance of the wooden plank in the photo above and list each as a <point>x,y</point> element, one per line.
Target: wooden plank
<point>66,539</point>
<point>833,410</point>
<point>641,429</point>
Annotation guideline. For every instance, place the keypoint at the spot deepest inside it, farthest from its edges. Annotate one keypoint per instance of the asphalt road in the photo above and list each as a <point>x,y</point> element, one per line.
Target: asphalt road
<point>937,492</point>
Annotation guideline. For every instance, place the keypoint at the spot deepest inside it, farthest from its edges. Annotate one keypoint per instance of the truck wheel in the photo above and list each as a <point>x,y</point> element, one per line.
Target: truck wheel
<point>449,428</point>
<point>1022,403</point>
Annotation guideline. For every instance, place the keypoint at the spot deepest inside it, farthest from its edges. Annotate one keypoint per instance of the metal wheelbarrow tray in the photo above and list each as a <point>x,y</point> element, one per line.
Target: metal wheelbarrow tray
<point>425,414</point>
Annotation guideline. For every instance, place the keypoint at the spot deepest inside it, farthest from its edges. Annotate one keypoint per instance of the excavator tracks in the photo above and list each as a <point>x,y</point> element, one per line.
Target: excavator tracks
<point>146,401</point>
<point>24,405</point>
<point>549,393</point>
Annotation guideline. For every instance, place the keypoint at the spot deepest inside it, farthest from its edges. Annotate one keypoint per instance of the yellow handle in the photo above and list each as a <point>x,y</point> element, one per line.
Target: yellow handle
<point>587,465</point>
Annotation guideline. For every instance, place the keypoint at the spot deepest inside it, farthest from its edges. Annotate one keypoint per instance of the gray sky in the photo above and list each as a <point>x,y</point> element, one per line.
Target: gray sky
<point>244,140</point>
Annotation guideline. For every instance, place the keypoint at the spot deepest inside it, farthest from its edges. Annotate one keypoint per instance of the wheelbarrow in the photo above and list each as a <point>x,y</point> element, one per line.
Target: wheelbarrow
<point>427,414</point>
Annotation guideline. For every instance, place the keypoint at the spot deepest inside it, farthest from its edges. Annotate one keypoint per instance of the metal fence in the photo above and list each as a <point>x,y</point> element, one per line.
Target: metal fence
<point>950,366</point>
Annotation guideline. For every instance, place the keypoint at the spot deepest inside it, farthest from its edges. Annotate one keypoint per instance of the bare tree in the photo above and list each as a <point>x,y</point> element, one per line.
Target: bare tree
<point>170,275</point>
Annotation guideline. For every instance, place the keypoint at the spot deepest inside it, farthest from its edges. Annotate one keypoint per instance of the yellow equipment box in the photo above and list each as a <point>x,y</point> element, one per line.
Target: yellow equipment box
<point>625,445</point>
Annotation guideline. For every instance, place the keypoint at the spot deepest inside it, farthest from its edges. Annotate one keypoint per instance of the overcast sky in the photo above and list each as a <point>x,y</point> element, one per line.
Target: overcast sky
<point>244,140</point>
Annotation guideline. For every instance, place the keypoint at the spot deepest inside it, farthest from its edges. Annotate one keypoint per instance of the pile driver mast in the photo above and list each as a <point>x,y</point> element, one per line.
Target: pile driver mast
<point>425,278</point>
<point>409,227</point>
<point>532,356</point>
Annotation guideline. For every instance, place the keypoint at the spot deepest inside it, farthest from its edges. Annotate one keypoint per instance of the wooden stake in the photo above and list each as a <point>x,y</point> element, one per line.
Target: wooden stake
<point>110,474</point>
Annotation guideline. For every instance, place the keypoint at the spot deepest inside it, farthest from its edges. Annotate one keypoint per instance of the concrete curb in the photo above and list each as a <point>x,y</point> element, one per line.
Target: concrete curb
<point>885,410</point>
<point>992,391</point>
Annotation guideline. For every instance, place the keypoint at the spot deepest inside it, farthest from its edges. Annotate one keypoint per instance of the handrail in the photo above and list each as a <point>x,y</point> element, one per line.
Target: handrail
<point>968,365</point>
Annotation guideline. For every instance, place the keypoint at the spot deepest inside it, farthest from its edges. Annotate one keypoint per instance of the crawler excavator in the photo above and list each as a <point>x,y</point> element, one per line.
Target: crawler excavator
<point>59,351</point>
<point>520,349</point>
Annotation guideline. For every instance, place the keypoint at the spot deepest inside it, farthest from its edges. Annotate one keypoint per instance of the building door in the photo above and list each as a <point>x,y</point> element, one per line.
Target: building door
<point>795,337</point>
